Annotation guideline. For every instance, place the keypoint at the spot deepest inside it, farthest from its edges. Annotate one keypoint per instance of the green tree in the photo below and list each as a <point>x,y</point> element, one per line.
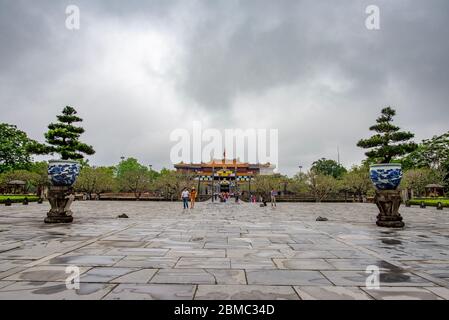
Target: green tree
<point>263,184</point>
<point>329,167</point>
<point>14,148</point>
<point>63,137</point>
<point>389,142</point>
<point>171,183</point>
<point>416,180</point>
<point>321,185</point>
<point>133,177</point>
<point>41,171</point>
<point>298,184</point>
<point>358,181</point>
<point>431,153</point>
<point>95,180</point>
<point>30,178</point>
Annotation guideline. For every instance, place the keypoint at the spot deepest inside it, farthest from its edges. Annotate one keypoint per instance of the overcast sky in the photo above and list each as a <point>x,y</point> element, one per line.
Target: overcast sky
<point>137,70</point>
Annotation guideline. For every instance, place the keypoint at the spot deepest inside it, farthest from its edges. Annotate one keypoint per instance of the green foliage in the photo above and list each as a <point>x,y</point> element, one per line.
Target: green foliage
<point>321,185</point>
<point>329,167</point>
<point>263,184</point>
<point>30,178</point>
<point>63,137</point>
<point>133,177</point>
<point>95,180</point>
<point>171,183</point>
<point>430,202</point>
<point>389,142</point>
<point>41,171</point>
<point>14,148</point>
<point>431,153</point>
<point>18,198</point>
<point>358,181</point>
<point>417,179</point>
<point>298,184</point>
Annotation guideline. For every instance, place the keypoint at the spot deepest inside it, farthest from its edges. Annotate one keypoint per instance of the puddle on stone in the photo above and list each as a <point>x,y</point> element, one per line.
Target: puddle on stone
<point>47,275</point>
<point>51,289</point>
<point>386,265</point>
<point>391,241</point>
<point>85,289</point>
<point>391,277</point>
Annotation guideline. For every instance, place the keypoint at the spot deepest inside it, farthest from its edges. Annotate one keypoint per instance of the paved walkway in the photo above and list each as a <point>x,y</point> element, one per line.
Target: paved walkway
<point>222,251</point>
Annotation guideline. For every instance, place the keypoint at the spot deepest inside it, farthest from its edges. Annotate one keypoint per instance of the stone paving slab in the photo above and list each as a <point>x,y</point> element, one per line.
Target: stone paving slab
<point>331,293</point>
<point>388,279</point>
<point>151,292</point>
<point>248,292</point>
<point>183,276</point>
<point>86,260</point>
<point>105,274</point>
<point>303,264</point>
<point>286,277</point>
<point>147,262</point>
<point>211,263</point>
<point>403,293</point>
<point>222,251</point>
<point>53,291</point>
<point>44,273</point>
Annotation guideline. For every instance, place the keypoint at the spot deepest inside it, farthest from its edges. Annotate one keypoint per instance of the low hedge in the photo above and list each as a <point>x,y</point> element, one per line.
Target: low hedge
<point>18,198</point>
<point>430,202</point>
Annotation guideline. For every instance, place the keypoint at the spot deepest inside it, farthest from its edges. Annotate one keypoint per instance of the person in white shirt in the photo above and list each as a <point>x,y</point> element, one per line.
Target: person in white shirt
<point>273,195</point>
<point>185,198</point>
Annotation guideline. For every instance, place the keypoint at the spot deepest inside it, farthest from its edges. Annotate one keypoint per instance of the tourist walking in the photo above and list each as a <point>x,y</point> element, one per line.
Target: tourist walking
<point>193,195</point>
<point>185,198</point>
<point>273,195</point>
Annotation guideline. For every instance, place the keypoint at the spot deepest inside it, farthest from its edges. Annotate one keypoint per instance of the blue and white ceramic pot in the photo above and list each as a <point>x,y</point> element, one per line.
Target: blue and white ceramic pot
<point>386,176</point>
<point>63,172</point>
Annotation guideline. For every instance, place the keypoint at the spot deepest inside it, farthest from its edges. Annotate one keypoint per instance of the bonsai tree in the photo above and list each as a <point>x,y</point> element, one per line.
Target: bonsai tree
<point>388,142</point>
<point>63,137</point>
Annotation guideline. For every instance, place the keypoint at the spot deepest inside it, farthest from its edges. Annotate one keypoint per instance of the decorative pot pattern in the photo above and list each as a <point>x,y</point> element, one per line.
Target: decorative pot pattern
<point>386,176</point>
<point>63,172</point>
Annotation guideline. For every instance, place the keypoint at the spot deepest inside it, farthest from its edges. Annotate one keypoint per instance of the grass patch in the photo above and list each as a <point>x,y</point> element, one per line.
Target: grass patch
<point>430,202</point>
<point>18,198</point>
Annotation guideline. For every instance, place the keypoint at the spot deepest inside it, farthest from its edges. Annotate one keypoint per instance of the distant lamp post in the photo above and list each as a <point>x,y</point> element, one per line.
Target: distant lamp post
<point>300,170</point>
<point>122,157</point>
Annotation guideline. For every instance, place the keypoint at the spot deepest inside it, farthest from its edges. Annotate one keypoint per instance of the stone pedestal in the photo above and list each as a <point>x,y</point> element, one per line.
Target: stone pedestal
<point>388,202</point>
<point>60,199</point>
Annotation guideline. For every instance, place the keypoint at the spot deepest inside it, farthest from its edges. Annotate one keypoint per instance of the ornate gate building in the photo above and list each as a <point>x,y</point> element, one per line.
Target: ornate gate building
<point>224,175</point>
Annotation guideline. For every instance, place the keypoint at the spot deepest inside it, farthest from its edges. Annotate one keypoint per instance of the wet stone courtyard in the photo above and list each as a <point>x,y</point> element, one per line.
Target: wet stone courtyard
<point>222,251</point>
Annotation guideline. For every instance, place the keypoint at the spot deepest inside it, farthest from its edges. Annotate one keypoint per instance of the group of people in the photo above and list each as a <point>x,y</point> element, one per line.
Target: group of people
<point>263,200</point>
<point>189,195</point>
<point>226,196</point>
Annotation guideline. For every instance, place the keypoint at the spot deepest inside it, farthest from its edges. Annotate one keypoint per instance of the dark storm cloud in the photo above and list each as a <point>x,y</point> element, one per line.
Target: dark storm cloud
<point>309,68</point>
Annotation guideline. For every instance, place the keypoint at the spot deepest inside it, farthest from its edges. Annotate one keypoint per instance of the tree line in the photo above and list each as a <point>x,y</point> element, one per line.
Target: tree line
<point>424,163</point>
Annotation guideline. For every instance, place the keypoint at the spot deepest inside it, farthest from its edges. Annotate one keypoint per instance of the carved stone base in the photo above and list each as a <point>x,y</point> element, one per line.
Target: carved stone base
<point>59,219</point>
<point>60,199</point>
<point>388,202</point>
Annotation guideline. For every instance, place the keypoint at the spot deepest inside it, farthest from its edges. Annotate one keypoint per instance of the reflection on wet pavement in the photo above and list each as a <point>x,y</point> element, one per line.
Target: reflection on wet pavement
<point>226,251</point>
